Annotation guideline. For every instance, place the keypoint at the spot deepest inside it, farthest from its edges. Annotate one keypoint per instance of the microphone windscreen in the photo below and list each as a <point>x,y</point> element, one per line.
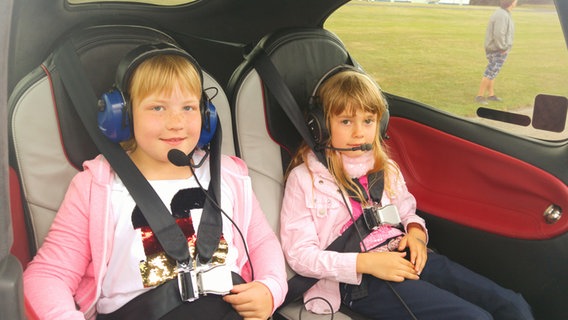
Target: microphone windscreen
<point>178,158</point>
<point>366,147</point>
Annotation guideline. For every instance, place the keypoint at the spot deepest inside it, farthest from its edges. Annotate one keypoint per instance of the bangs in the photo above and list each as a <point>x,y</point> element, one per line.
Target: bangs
<point>350,105</point>
<point>352,94</point>
<point>164,73</point>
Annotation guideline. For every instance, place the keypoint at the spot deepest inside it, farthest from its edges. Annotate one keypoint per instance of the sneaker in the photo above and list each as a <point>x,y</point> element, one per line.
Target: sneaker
<point>481,100</point>
<point>494,98</point>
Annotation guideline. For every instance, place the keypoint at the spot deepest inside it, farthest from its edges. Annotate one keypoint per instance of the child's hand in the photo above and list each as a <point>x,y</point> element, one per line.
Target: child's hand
<point>390,266</point>
<point>418,251</point>
<point>251,300</point>
<point>417,247</point>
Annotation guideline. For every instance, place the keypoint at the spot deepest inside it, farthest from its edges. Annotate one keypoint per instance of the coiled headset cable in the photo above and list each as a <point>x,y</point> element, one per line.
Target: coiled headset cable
<point>317,298</point>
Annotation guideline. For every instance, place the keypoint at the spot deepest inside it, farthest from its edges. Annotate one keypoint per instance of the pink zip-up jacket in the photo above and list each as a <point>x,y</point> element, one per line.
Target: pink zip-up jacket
<point>313,214</point>
<point>64,279</point>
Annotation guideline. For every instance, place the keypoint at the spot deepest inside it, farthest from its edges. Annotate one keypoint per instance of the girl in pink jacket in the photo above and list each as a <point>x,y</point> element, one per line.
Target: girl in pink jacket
<point>101,259</point>
<point>393,275</point>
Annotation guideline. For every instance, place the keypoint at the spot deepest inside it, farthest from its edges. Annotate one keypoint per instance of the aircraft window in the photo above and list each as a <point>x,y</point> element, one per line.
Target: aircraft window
<point>154,2</point>
<point>434,53</point>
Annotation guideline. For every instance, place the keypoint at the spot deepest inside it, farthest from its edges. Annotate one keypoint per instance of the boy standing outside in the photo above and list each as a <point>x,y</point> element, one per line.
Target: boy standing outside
<point>498,43</point>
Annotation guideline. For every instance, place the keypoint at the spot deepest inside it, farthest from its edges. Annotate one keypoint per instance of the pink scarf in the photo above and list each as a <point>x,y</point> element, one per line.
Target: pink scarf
<point>356,167</point>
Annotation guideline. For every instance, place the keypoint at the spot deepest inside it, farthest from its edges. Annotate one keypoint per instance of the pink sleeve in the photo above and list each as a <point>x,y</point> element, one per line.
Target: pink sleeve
<point>264,248</point>
<point>405,203</point>
<point>52,278</point>
<point>266,255</point>
<point>303,250</point>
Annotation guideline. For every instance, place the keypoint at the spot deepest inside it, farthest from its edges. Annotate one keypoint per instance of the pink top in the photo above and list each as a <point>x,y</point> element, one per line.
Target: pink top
<point>313,215</point>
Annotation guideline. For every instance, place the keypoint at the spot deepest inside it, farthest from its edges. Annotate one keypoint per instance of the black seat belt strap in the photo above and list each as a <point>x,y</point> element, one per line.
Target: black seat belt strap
<point>276,85</point>
<point>210,225</point>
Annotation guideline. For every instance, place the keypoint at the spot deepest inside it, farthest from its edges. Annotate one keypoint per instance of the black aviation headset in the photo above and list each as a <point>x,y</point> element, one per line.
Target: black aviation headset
<point>114,117</point>
<point>315,119</point>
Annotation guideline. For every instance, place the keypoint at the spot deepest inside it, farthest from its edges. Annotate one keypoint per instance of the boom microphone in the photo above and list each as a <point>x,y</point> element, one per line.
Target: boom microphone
<point>363,147</point>
<point>180,159</point>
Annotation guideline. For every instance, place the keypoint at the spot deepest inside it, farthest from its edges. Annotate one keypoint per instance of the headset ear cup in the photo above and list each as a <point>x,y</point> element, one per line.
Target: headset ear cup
<point>113,118</point>
<point>384,123</point>
<point>316,124</point>
<point>209,120</point>
<point>315,119</point>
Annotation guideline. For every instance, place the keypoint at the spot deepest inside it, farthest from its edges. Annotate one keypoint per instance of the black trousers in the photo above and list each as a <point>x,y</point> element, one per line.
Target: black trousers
<point>446,290</point>
<point>206,307</point>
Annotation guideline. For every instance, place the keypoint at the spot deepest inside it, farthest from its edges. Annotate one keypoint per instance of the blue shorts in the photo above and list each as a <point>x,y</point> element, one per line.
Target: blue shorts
<point>496,60</point>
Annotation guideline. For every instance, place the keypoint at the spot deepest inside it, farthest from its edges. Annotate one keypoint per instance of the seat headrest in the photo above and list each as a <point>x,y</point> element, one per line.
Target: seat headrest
<point>301,56</point>
<point>100,55</point>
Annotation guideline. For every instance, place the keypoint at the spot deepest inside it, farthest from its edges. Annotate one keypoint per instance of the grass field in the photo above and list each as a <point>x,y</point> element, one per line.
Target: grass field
<point>434,53</point>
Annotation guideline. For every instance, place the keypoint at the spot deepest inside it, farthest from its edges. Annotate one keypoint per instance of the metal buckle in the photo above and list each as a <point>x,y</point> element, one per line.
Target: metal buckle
<point>371,218</point>
<point>187,281</point>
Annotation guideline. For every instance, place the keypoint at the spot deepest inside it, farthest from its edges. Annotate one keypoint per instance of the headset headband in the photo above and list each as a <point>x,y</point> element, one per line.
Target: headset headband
<point>140,54</point>
<point>333,71</point>
<point>114,118</point>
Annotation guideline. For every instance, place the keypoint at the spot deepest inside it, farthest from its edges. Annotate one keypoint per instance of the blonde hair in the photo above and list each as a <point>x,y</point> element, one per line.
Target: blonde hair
<point>161,73</point>
<point>350,91</point>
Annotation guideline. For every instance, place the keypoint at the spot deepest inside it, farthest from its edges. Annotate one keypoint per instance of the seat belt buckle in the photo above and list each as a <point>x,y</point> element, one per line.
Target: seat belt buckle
<point>376,216</point>
<point>215,279</point>
<point>187,281</point>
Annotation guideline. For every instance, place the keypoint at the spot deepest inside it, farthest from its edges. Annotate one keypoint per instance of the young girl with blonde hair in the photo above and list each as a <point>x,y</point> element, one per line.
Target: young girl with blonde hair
<point>394,276</point>
<point>101,259</point>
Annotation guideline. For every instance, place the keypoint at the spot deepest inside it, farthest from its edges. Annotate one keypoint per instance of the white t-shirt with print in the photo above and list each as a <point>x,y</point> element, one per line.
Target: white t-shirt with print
<point>123,280</point>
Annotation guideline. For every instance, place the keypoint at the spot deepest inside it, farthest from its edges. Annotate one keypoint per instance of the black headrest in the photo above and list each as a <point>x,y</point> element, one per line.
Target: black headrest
<point>301,56</point>
<point>100,49</point>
